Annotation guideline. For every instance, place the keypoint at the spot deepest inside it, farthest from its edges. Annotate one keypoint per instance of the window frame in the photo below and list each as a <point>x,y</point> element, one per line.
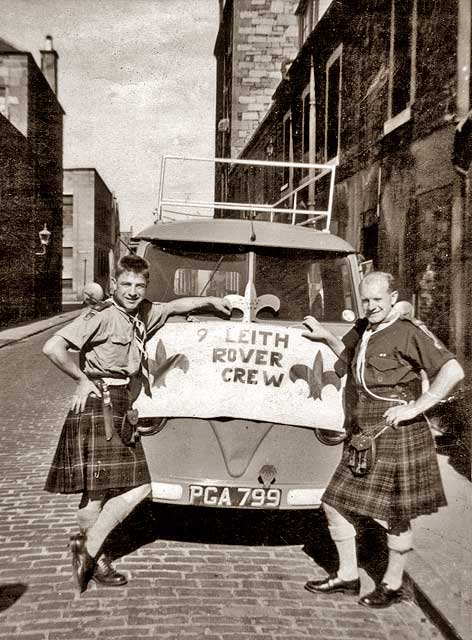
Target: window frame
<point>70,204</point>
<point>394,121</point>
<point>333,59</point>
<point>305,21</point>
<point>287,153</point>
<point>306,123</point>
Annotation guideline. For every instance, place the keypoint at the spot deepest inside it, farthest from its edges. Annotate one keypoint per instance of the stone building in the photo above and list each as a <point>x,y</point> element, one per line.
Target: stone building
<point>31,126</point>
<point>381,89</point>
<point>91,242</point>
<point>256,41</point>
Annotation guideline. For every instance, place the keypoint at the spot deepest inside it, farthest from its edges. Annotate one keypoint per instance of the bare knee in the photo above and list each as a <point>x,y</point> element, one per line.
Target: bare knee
<point>136,494</point>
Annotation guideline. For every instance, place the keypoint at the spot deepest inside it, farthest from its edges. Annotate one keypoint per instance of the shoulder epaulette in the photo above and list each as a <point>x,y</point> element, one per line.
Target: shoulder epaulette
<point>419,324</point>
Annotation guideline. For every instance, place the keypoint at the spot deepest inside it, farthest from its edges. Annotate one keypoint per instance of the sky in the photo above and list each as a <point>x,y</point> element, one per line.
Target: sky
<point>136,80</point>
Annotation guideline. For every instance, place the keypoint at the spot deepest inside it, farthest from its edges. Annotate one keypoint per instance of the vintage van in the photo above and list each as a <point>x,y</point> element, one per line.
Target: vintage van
<point>246,412</point>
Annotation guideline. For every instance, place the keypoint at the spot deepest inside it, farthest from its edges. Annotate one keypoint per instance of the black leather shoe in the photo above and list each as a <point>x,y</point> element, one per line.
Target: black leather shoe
<point>333,584</point>
<point>105,574</point>
<point>382,597</point>
<point>83,565</point>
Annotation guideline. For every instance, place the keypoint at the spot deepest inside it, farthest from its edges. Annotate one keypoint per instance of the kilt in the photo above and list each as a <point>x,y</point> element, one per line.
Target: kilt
<point>405,481</point>
<point>86,461</point>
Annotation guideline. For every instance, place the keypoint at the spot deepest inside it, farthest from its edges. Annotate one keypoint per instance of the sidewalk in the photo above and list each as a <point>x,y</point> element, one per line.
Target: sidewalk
<point>14,334</point>
<point>440,566</point>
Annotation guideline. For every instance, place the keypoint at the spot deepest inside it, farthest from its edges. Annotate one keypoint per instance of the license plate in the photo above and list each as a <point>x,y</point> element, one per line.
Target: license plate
<point>234,497</point>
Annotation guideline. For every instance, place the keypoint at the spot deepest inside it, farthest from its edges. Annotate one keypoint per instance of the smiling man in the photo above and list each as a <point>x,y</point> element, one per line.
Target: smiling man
<point>99,453</point>
<point>386,353</point>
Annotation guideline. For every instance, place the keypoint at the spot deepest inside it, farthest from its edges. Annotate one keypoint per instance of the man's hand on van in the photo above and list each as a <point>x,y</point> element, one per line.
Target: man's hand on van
<point>315,331</point>
<point>223,305</point>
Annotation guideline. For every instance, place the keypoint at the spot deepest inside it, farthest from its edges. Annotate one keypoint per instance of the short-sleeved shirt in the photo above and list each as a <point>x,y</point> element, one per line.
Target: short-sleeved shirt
<point>106,339</point>
<point>396,354</point>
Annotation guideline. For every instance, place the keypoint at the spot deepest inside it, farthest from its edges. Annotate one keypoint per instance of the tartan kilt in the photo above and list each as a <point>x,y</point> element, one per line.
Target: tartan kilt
<point>86,461</point>
<point>405,481</point>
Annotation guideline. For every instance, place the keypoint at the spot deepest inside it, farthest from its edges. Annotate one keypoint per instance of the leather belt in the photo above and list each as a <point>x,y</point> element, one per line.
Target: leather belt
<point>116,382</point>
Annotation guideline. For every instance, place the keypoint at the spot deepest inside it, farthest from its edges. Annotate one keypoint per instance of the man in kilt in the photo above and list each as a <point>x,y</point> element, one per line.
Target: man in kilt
<point>99,453</point>
<point>386,354</point>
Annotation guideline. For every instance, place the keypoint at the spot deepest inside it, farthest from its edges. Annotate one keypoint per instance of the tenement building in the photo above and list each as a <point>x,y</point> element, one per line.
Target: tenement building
<point>380,89</point>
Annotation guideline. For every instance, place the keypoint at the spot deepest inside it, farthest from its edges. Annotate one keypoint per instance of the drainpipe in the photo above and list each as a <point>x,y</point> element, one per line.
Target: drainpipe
<point>312,136</point>
<point>463,58</point>
<point>461,184</point>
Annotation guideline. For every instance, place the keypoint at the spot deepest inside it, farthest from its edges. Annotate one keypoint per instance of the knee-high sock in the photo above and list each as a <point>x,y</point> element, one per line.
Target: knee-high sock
<point>88,513</point>
<point>114,511</point>
<point>398,546</point>
<point>343,534</point>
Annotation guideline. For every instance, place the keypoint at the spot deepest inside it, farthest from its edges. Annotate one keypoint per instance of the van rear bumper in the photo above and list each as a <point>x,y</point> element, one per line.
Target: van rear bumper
<point>209,494</point>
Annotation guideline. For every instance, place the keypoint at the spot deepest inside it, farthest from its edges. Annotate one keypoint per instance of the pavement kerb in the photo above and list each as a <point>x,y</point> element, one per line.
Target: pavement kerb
<point>434,599</point>
<point>15,334</point>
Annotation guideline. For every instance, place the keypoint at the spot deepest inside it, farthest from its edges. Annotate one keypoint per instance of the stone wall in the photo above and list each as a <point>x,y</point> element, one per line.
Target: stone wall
<point>265,38</point>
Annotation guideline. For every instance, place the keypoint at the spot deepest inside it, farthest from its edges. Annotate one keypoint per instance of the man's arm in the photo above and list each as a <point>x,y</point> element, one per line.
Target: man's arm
<point>450,374</point>
<point>182,306</point>
<point>57,350</point>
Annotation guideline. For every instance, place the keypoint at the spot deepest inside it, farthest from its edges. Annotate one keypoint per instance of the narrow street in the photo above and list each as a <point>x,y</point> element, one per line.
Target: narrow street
<point>193,573</point>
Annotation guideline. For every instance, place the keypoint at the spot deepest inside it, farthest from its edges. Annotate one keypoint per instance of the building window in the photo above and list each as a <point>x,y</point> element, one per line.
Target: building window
<point>333,105</point>
<point>67,252</point>
<point>402,64</point>
<point>67,284</point>
<point>287,147</point>
<point>67,210</point>
<point>305,21</point>
<point>4,99</point>
<point>306,124</point>
<point>309,13</point>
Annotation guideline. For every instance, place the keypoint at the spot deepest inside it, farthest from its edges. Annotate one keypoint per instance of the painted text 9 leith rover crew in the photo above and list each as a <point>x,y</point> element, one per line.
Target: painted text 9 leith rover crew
<point>99,453</point>
<point>386,355</point>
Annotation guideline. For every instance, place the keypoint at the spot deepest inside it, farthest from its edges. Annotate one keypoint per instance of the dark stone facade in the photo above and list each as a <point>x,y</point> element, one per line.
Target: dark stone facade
<point>30,193</point>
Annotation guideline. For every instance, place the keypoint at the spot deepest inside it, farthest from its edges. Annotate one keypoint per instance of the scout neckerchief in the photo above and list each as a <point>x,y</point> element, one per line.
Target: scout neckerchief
<point>360,362</point>
<point>139,330</point>
<point>140,334</point>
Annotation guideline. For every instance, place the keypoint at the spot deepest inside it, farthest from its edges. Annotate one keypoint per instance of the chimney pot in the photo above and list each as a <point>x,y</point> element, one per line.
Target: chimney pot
<point>49,63</point>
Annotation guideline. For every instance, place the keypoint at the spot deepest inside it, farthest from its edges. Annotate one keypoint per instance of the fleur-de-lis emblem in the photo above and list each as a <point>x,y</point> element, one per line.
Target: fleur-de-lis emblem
<point>316,378</point>
<point>160,367</point>
<point>250,304</point>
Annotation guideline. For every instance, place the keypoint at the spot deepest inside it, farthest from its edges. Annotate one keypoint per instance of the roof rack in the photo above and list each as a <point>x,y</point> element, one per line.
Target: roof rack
<point>274,191</point>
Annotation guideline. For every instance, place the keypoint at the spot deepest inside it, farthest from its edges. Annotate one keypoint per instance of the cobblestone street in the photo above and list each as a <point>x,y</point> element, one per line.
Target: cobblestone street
<point>193,573</point>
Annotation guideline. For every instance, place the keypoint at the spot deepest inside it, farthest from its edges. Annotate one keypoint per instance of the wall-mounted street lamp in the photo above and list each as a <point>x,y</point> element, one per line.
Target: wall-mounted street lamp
<point>44,236</point>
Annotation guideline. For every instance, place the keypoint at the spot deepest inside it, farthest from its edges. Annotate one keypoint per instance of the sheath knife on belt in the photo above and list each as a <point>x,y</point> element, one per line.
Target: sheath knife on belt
<point>107,409</point>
